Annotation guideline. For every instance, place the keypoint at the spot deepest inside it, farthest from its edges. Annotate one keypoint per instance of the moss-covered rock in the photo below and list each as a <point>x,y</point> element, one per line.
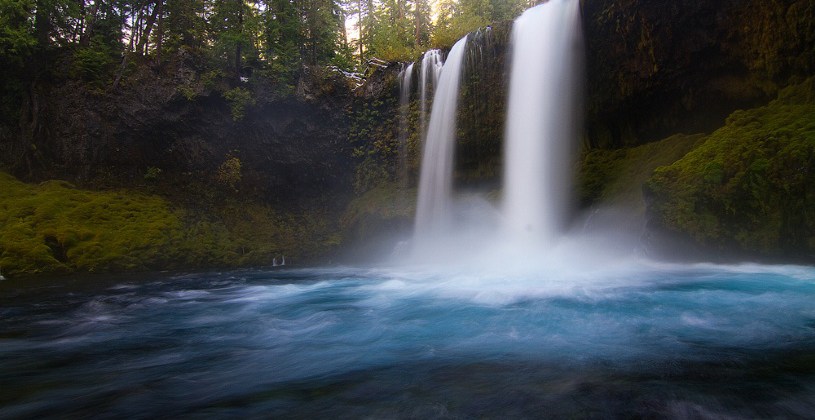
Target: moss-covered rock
<point>656,68</point>
<point>55,228</point>
<point>386,210</point>
<point>750,185</point>
<point>615,176</point>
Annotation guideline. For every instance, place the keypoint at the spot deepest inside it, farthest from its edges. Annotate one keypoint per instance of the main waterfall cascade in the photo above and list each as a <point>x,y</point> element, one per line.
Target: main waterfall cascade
<point>541,128</point>
<point>541,122</point>
<point>435,181</point>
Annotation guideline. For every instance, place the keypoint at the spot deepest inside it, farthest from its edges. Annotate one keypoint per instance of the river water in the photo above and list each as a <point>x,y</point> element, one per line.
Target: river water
<point>646,339</point>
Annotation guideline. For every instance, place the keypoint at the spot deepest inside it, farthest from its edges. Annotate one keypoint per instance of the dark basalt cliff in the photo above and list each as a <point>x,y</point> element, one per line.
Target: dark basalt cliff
<point>661,67</point>
<point>291,145</point>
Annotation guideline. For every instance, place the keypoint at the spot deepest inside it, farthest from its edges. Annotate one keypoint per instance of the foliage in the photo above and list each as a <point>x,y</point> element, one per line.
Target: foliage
<point>276,37</point>
<point>94,63</point>
<point>239,99</point>
<point>458,17</point>
<point>16,39</point>
<point>751,184</point>
<point>375,143</point>
<point>186,26</point>
<point>152,174</point>
<point>229,173</point>
<point>17,42</point>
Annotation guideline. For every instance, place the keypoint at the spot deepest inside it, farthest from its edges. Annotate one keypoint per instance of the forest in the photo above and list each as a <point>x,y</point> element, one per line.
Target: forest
<point>274,36</point>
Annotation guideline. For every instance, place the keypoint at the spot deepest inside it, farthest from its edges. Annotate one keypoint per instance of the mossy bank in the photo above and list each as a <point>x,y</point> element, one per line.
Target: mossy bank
<point>750,186</point>
<point>55,228</point>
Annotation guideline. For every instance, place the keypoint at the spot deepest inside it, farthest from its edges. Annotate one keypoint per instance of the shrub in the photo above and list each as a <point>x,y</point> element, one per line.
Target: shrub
<point>229,173</point>
<point>152,174</point>
<point>239,100</point>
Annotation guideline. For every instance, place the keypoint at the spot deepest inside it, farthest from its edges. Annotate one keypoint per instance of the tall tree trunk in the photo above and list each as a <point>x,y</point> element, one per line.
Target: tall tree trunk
<point>416,28</point>
<point>341,21</point>
<point>238,42</point>
<point>138,29</point>
<point>79,26</point>
<point>148,27</point>
<point>90,20</point>
<point>42,25</point>
<point>160,30</point>
<point>359,24</point>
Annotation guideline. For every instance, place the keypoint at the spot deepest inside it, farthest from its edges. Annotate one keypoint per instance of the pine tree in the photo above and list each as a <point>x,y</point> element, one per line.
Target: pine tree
<point>231,37</point>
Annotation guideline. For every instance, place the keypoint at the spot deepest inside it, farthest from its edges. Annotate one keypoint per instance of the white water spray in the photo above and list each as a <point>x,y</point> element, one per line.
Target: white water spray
<point>541,122</point>
<point>436,178</point>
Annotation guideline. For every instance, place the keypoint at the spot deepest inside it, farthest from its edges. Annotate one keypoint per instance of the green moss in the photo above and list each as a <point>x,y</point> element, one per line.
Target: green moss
<point>751,184</point>
<point>54,228</point>
<point>385,203</point>
<point>616,176</point>
<point>240,100</point>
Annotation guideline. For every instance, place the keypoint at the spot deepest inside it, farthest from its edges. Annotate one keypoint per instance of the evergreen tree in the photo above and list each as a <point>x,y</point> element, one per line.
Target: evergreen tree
<point>320,31</point>
<point>185,23</point>
<point>283,36</point>
<point>17,43</point>
<point>422,25</point>
<point>229,32</point>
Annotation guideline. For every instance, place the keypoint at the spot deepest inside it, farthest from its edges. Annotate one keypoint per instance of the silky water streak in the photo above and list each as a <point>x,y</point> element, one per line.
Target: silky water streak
<point>541,122</point>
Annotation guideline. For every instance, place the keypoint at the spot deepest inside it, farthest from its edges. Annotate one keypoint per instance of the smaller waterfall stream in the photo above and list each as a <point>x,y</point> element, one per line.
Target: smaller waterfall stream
<point>435,180</point>
<point>405,79</point>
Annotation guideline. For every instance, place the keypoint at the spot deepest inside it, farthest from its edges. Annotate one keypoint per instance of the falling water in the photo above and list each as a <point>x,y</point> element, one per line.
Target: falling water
<point>430,71</point>
<point>541,123</point>
<point>405,78</point>
<point>435,181</point>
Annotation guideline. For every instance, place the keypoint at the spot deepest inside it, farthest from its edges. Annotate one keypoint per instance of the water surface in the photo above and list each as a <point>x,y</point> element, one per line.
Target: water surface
<point>646,339</point>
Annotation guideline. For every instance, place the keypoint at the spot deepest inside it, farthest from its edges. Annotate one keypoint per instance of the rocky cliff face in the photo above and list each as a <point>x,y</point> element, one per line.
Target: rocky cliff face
<point>184,124</point>
<point>657,68</point>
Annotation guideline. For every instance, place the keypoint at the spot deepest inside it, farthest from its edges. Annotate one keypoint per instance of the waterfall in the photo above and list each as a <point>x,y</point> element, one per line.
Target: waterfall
<point>430,71</point>
<point>541,121</point>
<point>405,78</point>
<point>435,180</point>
